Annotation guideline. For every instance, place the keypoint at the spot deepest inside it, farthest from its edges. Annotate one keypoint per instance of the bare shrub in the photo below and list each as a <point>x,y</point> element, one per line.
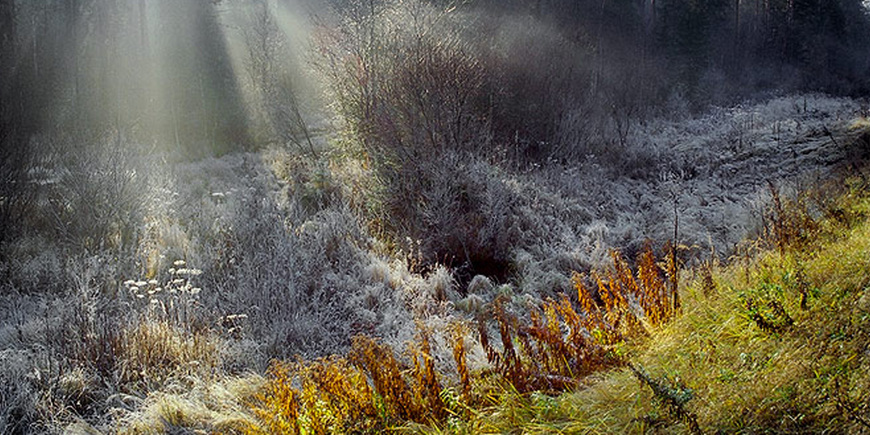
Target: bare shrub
<point>273,87</point>
<point>19,412</point>
<point>407,92</point>
<point>17,195</point>
<point>99,199</point>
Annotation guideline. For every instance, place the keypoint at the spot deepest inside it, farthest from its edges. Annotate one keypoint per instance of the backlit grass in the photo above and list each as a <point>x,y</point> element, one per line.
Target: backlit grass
<point>810,376</point>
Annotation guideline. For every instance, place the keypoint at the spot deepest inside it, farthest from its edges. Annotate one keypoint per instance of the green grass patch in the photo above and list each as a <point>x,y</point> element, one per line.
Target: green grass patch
<point>773,343</point>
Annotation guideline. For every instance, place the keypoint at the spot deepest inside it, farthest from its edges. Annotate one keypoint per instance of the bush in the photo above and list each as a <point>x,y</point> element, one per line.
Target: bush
<point>98,201</point>
<point>18,397</point>
<point>406,93</point>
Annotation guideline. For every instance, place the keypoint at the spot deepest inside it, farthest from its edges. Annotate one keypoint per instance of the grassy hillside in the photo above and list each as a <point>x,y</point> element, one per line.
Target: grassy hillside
<point>146,294</point>
<point>775,341</point>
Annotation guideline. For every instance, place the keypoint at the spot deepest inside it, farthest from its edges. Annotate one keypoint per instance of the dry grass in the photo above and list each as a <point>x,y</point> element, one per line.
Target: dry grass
<point>551,350</point>
<point>213,406</point>
<point>773,344</point>
<point>152,353</point>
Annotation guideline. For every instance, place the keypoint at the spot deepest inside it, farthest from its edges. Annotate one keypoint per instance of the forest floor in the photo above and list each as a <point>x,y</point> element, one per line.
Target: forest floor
<point>776,341</point>
<point>207,272</point>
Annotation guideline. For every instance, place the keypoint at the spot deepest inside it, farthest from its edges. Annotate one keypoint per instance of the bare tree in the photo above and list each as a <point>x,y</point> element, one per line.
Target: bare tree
<point>267,68</point>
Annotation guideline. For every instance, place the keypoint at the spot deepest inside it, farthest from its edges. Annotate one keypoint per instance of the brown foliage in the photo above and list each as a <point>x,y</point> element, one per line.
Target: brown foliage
<point>549,350</point>
<point>380,364</point>
<point>426,388</point>
<point>561,343</point>
<point>458,332</point>
<point>277,406</point>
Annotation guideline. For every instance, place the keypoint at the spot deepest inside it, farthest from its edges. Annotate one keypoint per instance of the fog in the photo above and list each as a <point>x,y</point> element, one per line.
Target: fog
<point>160,73</point>
<point>191,190</point>
<point>213,77</point>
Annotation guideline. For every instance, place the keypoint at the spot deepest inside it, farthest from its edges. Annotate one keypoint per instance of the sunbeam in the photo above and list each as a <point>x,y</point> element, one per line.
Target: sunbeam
<point>434,216</point>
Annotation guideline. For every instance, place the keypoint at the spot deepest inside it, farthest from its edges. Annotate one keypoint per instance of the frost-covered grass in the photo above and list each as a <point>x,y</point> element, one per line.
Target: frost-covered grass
<point>732,363</point>
<point>297,255</point>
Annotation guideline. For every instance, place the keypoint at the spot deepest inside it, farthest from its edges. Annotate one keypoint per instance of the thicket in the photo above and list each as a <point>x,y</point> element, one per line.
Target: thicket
<point>432,99</point>
<point>740,351</point>
<point>469,177</point>
<point>252,222</point>
<point>549,347</point>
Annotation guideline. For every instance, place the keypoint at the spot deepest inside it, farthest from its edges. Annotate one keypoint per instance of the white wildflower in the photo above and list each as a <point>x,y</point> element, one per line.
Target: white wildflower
<point>179,263</point>
<point>192,272</point>
<point>152,282</point>
<point>129,282</point>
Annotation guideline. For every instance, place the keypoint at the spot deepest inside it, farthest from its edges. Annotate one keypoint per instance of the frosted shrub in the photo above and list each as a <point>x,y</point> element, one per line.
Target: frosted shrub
<point>98,202</point>
<point>300,274</point>
<point>479,285</point>
<point>378,271</point>
<point>297,281</point>
<point>18,395</point>
<point>34,266</point>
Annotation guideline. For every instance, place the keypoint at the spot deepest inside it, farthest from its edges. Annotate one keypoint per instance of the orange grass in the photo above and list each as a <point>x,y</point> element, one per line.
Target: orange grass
<point>549,348</point>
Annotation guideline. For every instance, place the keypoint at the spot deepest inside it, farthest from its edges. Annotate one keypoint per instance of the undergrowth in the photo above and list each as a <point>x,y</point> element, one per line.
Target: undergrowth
<point>771,342</point>
<point>774,341</point>
<point>548,347</point>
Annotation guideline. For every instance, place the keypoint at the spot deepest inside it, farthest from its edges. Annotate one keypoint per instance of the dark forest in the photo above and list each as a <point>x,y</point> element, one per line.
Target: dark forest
<point>434,216</point>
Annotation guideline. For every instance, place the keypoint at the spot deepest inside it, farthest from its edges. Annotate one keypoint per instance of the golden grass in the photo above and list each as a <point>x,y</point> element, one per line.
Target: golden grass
<point>153,353</point>
<point>374,389</point>
<point>809,376</point>
<point>774,342</point>
<point>210,406</point>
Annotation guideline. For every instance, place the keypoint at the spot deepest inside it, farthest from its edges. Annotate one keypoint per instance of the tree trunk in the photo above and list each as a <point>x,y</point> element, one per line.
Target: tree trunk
<point>73,15</point>
<point>7,26</point>
<point>143,29</point>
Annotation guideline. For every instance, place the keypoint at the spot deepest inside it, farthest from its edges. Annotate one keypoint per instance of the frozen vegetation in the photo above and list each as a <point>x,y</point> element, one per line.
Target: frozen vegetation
<point>256,256</point>
<point>273,216</point>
